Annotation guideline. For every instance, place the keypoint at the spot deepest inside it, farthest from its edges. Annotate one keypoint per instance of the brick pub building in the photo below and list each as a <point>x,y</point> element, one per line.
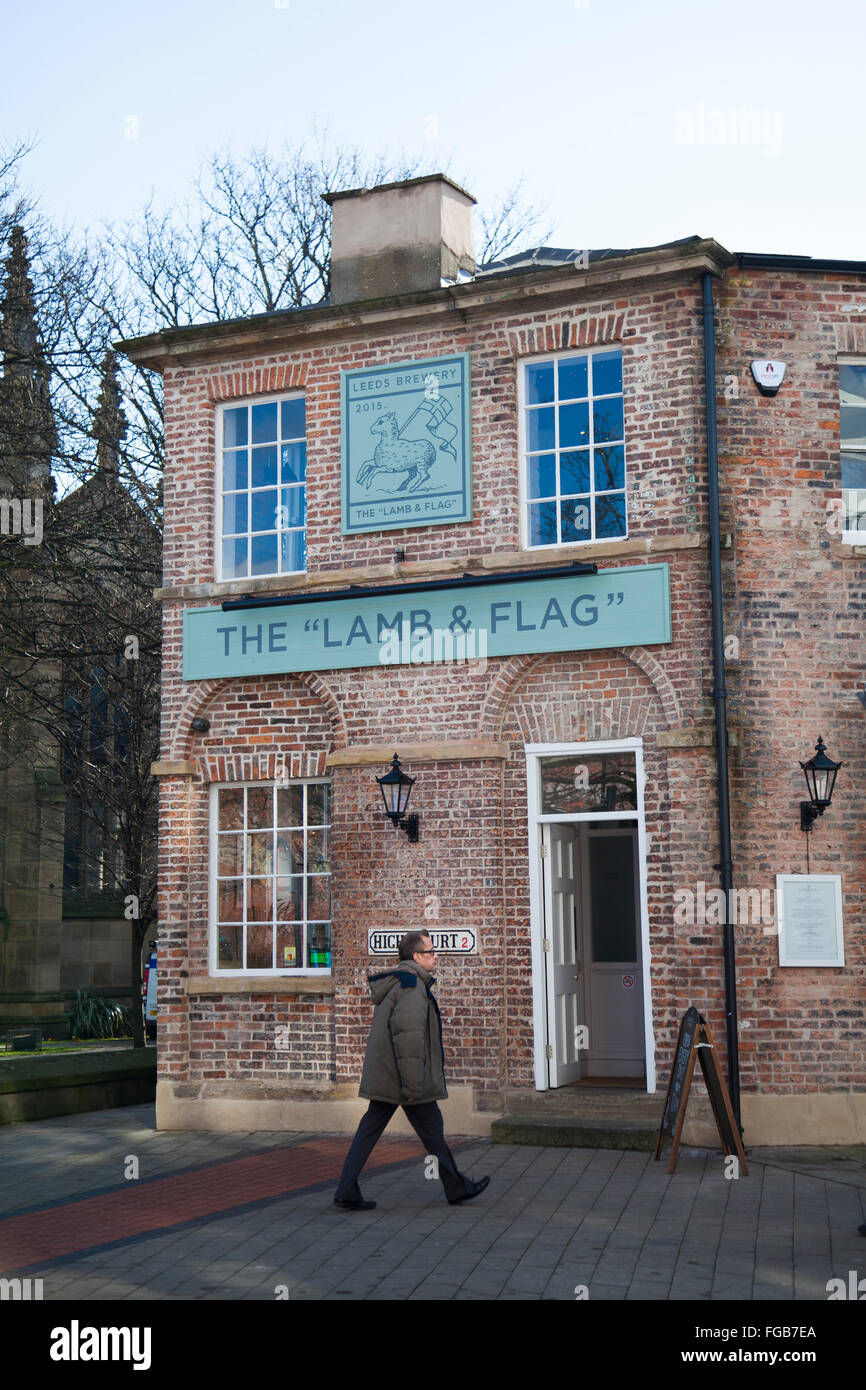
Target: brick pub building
<point>468,515</point>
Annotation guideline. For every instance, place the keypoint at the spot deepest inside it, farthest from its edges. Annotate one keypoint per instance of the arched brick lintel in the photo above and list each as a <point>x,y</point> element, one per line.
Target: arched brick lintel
<point>257,381</point>
<point>182,745</point>
<point>563,334</point>
<point>514,671</point>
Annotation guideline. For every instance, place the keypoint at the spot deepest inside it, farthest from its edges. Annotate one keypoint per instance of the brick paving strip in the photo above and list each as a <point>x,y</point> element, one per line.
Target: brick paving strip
<point>155,1204</point>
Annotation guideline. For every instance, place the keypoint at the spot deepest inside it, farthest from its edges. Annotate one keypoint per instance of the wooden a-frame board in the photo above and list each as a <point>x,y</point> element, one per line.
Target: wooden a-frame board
<point>695,1038</point>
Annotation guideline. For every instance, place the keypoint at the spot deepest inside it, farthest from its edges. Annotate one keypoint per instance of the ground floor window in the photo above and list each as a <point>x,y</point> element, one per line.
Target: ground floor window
<point>271,878</point>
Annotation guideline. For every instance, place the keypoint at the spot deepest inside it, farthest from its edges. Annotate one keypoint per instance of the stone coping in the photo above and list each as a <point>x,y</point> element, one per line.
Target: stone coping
<point>75,1069</point>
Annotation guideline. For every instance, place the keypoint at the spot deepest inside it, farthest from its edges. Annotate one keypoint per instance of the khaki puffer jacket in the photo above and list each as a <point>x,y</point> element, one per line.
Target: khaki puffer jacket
<point>404,1052</point>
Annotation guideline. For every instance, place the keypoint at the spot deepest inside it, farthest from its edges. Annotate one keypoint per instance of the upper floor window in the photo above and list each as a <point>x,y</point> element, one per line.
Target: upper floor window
<point>262,463</point>
<point>852,440</point>
<point>573,448</point>
<point>271,877</point>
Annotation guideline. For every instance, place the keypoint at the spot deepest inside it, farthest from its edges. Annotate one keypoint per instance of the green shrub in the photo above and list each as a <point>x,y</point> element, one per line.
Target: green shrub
<point>93,1017</point>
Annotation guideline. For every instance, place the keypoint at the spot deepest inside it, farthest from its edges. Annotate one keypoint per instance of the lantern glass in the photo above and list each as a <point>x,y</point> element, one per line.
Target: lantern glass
<point>820,773</point>
<point>396,787</point>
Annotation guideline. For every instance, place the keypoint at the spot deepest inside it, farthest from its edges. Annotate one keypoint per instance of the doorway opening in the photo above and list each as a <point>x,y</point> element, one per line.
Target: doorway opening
<point>590,930</point>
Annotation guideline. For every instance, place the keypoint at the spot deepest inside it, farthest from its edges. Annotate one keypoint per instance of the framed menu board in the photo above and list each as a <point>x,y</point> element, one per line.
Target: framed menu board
<point>809,918</point>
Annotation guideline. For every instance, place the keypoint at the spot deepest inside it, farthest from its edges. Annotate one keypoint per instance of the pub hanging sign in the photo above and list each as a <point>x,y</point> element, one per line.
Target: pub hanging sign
<point>406,444</point>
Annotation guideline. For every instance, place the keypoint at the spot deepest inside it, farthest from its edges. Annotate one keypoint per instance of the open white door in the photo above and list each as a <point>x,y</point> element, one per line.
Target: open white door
<point>562,954</point>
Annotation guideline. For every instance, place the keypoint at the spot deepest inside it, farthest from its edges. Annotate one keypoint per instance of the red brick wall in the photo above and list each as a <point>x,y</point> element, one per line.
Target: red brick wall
<point>795,602</point>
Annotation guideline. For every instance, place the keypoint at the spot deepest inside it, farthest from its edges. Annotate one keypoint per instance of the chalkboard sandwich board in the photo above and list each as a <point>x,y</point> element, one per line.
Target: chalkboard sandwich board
<point>696,1040</point>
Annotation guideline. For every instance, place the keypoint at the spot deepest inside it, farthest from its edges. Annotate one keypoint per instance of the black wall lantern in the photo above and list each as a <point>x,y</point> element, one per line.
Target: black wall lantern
<point>396,788</point>
<point>820,773</point>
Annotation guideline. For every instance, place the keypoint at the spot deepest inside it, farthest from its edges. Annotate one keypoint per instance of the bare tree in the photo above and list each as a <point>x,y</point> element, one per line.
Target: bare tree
<point>253,237</point>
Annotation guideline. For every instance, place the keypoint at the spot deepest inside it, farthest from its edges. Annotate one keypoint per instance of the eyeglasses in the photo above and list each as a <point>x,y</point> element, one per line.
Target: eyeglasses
<point>426,953</point>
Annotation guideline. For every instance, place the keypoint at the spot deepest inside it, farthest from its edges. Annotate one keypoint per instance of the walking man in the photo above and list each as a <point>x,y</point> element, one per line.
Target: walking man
<point>404,1066</point>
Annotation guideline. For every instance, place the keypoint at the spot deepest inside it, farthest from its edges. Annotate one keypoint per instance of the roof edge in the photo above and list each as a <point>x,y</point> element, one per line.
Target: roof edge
<point>194,342</point>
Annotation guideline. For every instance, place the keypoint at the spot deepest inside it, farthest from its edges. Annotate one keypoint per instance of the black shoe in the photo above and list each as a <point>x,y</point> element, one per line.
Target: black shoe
<point>472,1190</point>
<point>358,1205</point>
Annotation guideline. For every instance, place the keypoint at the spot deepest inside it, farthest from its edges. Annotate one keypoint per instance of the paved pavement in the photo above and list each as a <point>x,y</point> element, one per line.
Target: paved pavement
<point>249,1217</point>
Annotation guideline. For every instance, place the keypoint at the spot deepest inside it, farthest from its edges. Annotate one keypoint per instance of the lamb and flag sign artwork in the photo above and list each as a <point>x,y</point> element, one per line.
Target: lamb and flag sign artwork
<point>406,444</point>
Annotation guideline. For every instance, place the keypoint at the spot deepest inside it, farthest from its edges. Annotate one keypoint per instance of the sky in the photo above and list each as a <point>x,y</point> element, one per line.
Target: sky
<point>634,122</point>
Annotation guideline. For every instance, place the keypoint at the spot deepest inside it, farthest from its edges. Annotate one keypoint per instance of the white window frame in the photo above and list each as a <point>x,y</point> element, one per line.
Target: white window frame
<point>849,537</point>
<point>245,972</point>
<point>534,753</point>
<point>533,360</point>
<point>222,407</point>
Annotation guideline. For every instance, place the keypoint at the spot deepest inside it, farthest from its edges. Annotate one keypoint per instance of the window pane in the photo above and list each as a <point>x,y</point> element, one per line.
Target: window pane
<point>231,808</point>
<point>230,900</point>
<point>606,373</point>
<point>854,509</point>
<point>319,804</point>
<point>852,383</point>
<point>290,898</point>
<point>260,947</point>
<point>611,878</point>
<point>854,470</point>
<point>264,423</point>
<point>574,472</point>
<point>294,426</point>
<point>289,946</point>
<point>260,853</point>
<point>609,468</point>
<point>294,552</point>
<point>573,425</point>
<point>542,475</point>
<point>573,378</point>
<point>235,513</point>
<point>540,430</point>
<point>234,559</point>
<point>319,898</point>
<point>539,384</point>
<point>319,947</point>
<point>542,524</point>
<point>610,515</point>
<point>290,806</point>
<point>588,782</point>
<point>234,427</point>
<point>294,457</point>
<point>230,855</point>
<point>264,467</point>
<point>318,853</point>
<point>263,515</point>
<point>260,899</point>
<point>576,520</point>
<point>607,420</point>
<point>290,852</point>
<point>260,808</point>
<point>852,425</point>
<point>235,470</point>
<point>292,507</point>
<point>230,947</point>
<point>263,556</point>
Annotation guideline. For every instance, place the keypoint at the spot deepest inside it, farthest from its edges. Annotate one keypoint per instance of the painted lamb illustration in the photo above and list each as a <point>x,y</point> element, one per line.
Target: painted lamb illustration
<point>414,457</point>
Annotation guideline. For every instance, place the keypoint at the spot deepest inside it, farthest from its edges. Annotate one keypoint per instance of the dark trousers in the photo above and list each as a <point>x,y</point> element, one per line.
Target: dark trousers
<point>427,1122</point>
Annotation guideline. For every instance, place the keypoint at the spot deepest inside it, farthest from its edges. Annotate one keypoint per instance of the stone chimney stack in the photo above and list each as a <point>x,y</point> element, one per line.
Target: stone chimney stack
<point>400,238</point>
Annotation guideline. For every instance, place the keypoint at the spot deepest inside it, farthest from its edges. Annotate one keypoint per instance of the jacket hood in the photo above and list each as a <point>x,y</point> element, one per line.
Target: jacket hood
<point>406,975</point>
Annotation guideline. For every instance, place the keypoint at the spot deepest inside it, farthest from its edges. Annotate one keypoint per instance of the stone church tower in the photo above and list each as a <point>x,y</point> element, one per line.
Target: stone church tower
<point>56,936</point>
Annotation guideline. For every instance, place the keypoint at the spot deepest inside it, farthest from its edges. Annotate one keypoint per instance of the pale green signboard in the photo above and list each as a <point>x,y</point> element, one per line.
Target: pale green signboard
<point>460,623</point>
<point>406,457</point>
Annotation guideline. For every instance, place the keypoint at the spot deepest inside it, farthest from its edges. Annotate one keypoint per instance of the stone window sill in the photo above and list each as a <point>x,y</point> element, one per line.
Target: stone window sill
<point>260,984</point>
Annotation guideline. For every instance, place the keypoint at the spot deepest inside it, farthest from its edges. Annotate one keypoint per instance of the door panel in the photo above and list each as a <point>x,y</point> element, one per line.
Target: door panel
<point>612,951</point>
<point>562,954</point>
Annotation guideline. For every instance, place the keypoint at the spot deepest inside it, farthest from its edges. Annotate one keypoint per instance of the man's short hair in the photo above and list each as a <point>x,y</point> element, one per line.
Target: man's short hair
<point>411,942</point>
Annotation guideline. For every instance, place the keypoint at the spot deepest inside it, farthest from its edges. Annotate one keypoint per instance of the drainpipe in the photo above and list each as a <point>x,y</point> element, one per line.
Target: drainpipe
<point>725,867</point>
